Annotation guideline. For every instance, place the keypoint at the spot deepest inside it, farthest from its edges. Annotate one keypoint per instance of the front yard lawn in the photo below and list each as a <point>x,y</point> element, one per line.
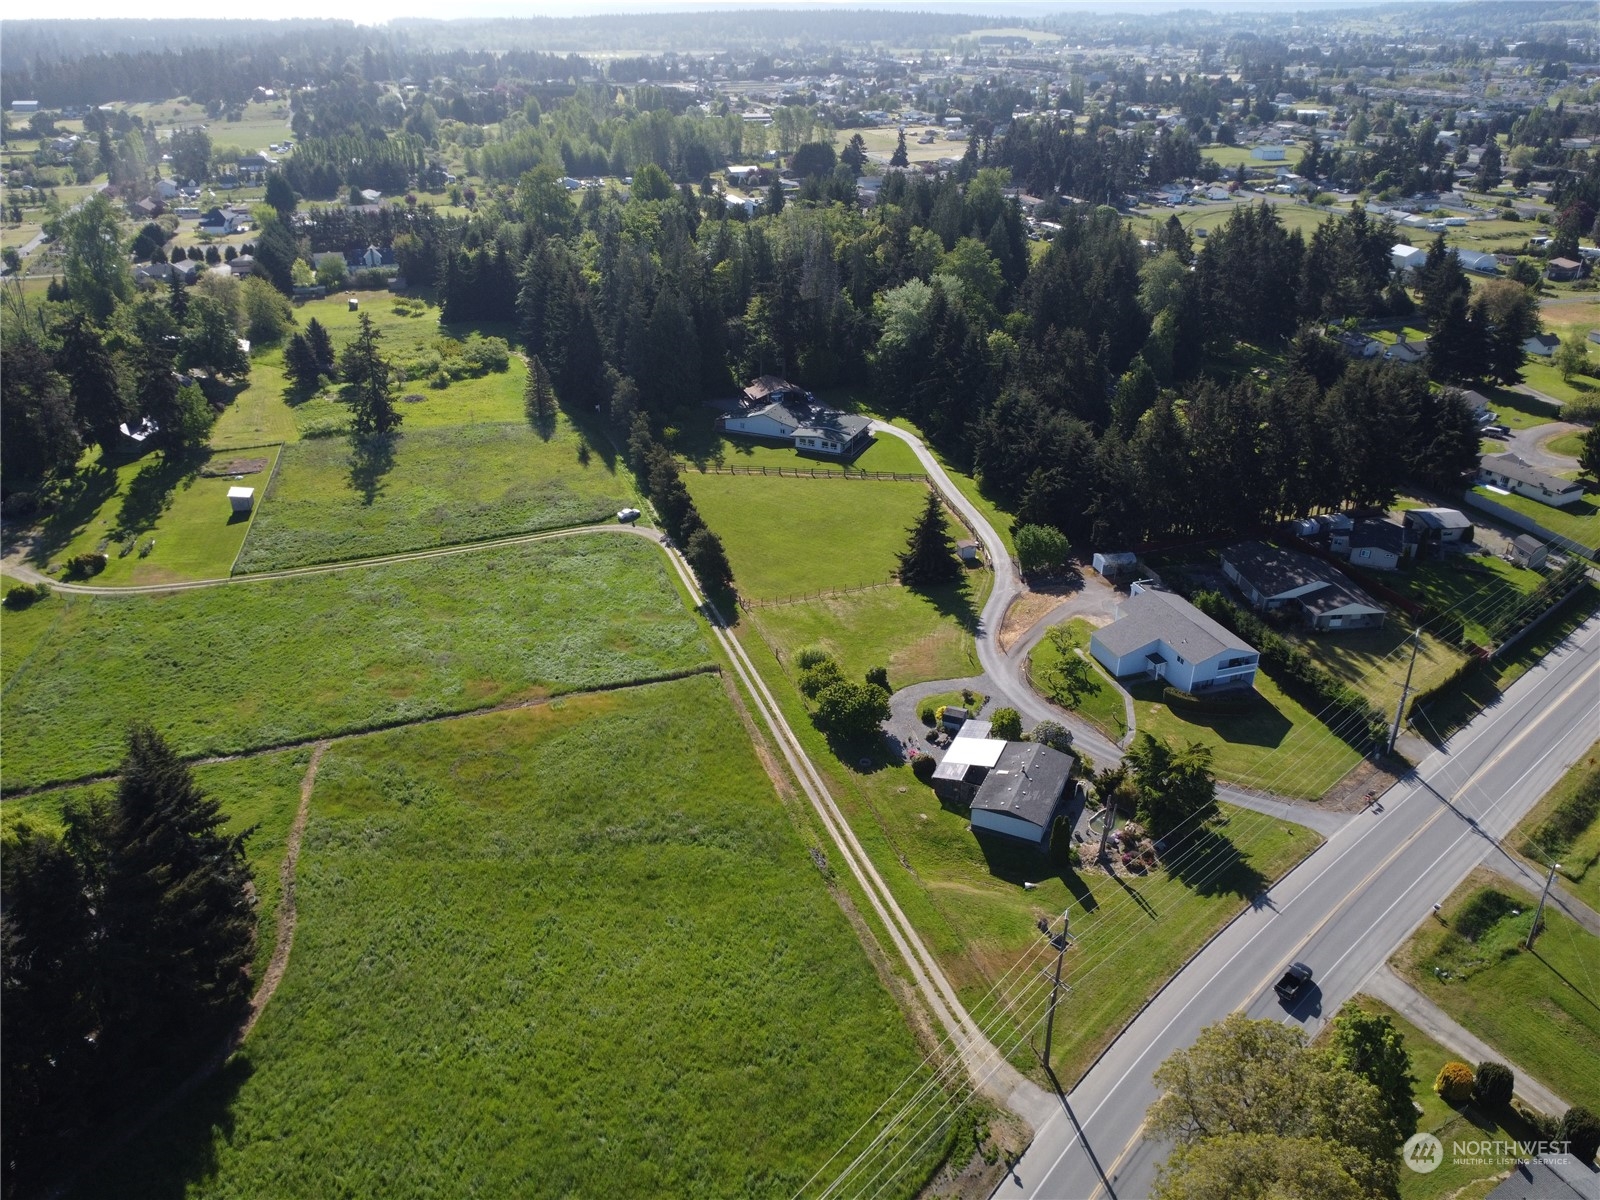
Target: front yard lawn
<point>1541,1008</point>
<point>1374,661</point>
<point>1473,588</point>
<point>1091,695</point>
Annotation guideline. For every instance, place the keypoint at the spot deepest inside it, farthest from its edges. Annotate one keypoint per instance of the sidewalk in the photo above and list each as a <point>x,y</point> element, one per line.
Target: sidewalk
<point>1427,1016</point>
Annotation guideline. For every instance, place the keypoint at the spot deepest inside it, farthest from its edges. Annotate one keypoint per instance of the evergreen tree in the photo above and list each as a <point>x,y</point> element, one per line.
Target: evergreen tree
<point>709,561</point>
<point>539,398</point>
<point>929,558</point>
<point>1177,790</point>
<point>300,361</point>
<point>854,155</point>
<point>367,382</point>
<point>1589,454</point>
<point>280,195</point>
<point>775,198</point>
<point>178,296</point>
<point>1488,177</point>
<point>95,381</point>
<point>321,348</point>
<point>900,158</point>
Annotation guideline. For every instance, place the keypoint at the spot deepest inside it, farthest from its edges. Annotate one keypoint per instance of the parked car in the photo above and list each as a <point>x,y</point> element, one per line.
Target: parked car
<point>628,514</point>
<point>1497,431</point>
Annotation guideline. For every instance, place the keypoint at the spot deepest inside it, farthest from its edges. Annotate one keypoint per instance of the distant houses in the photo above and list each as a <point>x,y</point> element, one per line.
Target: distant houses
<point>1509,473</point>
<point>1161,636</point>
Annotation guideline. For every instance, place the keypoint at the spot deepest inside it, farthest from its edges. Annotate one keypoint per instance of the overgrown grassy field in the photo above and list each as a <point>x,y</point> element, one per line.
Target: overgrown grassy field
<point>440,487</point>
<point>1474,589</point>
<point>247,665</point>
<point>1578,848</point>
<point>917,635</point>
<point>1100,703</point>
<point>1541,1008</point>
<point>512,977</point>
<point>1453,1179</point>
<point>788,537</point>
<point>1274,744</point>
<point>1580,521</point>
<point>118,510</point>
<point>967,899</point>
<point>261,793</point>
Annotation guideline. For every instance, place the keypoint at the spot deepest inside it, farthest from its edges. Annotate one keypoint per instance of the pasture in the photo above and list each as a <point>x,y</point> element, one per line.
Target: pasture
<point>553,951</point>
<point>332,500</point>
<point>257,664</point>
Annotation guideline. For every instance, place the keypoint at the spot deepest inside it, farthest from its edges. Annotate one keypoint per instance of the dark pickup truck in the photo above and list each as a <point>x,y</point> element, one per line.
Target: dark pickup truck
<point>1294,984</point>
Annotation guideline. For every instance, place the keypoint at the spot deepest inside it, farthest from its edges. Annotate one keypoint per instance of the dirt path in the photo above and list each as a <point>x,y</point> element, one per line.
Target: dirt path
<point>279,962</point>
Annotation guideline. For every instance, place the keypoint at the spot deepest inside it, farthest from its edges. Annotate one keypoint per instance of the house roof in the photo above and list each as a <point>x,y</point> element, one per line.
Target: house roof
<point>1563,1179</point>
<point>1379,535</point>
<point>825,422</point>
<point>974,751</point>
<point>1513,467</point>
<point>1150,615</point>
<point>1338,596</point>
<point>1439,518</point>
<point>768,386</point>
<point>1273,572</point>
<point>1565,264</point>
<point>1026,782</point>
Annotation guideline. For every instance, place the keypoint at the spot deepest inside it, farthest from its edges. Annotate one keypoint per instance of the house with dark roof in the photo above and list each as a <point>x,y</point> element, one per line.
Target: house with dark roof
<point>1528,551</point>
<point>1027,791</point>
<point>1377,545</point>
<point>1432,529</point>
<point>1509,473</point>
<point>1559,1177</point>
<point>773,408</point>
<point>1276,580</point>
<point>1161,636</point>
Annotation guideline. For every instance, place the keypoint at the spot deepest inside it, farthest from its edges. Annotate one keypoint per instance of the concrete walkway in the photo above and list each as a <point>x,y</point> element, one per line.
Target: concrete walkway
<point>1427,1016</point>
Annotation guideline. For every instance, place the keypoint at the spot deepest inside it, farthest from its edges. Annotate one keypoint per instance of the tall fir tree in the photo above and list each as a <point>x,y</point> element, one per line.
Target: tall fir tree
<point>95,380</point>
<point>322,347</point>
<point>539,398</point>
<point>900,158</point>
<point>367,382</point>
<point>930,554</point>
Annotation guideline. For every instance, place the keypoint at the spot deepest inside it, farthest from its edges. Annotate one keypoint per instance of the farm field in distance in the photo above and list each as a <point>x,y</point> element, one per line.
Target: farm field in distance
<point>244,666</point>
<point>547,979</point>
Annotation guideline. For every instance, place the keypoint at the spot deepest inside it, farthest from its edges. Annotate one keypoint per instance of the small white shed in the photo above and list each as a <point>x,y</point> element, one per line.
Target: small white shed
<point>242,498</point>
<point>1115,563</point>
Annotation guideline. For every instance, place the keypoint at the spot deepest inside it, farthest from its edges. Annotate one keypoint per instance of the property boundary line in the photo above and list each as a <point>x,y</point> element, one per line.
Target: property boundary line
<point>255,509</point>
<point>814,473</point>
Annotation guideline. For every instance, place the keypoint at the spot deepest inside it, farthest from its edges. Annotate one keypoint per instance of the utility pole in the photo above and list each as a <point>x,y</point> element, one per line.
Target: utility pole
<point>1399,710</point>
<point>1537,916</point>
<point>1060,941</point>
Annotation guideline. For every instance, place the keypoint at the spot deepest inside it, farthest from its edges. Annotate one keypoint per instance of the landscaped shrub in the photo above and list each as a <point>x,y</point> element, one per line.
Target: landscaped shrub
<point>1544,1126</point>
<point>851,712</point>
<point>1493,1085</point>
<point>809,656</point>
<point>81,566</point>
<point>923,766</point>
<point>1454,1083</point>
<point>1006,725</point>
<point>1049,733</point>
<point>1580,1129</point>
<point>26,595</point>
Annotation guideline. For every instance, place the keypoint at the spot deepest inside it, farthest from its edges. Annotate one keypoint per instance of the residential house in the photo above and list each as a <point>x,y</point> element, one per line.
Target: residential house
<point>1528,551</point>
<point>1026,793</point>
<point>1563,270</point>
<point>154,273</point>
<point>1272,579</point>
<point>1161,636</point>
<point>774,408</point>
<point>1377,545</point>
<point>1407,352</point>
<point>166,189</point>
<point>1432,529</point>
<point>969,758</point>
<point>218,222</point>
<point>1509,473</point>
<point>1542,345</point>
<point>245,264</point>
<point>1476,401</point>
<point>1358,345</point>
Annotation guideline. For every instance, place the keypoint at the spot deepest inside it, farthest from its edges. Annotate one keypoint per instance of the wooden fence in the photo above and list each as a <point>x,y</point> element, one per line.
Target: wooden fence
<point>815,473</point>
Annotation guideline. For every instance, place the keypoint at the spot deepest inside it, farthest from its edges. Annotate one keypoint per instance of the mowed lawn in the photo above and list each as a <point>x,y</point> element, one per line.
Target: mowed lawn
<point>1274,744</point>
<point>1474,589</point>
<point>1374,661</point>
<point>788,538</point>
<point>578,950</point>
<point>1540,1008</point>
<point>119,510</point>
<point>1540,839</point>
<point>885,453</point>
<point>259,793</point>
<point>1580,522</point>
<point>443,486</point>
<point>256,664</point>
<point>1100,703</point>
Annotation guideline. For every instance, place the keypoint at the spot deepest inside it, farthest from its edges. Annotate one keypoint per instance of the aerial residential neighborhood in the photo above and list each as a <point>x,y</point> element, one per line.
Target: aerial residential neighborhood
<point>642,599</point>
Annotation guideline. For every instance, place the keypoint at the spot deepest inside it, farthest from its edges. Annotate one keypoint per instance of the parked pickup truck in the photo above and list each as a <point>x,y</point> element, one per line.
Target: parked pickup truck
<point>1294,984</point>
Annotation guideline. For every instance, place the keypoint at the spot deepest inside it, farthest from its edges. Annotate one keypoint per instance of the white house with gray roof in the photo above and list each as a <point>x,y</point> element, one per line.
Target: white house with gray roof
<point>780,411</point>
<point>1510,474</point>
<point>1161,636</point>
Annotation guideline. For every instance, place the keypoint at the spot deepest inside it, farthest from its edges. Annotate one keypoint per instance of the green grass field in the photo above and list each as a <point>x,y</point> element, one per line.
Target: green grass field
<point>444,486</point>
<point>1474,589</point>
<point>1540,1008</point>
<point>1374,661</point>
<point>886,453</point>
<point>1570,444</point>
<point>1100,703</point>
<point>999,519</point>
<point>1275,744</point>
<point>514,978</point>
<point>1518,410</point>
<point>260,412</point>
<point>1231,157</point>
<point>248,665</point>
<point>1579,522</point>
<point>117,511</point>
<point>918,636</point>
<point>1453,1179</point>
<point>1580,854</point>
<point>262,791</point>
<point>788,538</point>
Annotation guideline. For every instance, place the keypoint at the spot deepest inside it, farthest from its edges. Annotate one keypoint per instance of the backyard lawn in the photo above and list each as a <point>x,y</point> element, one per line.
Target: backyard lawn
<point>1274,744</point>
<point>251,665</point>
<point>1092,696</point>
<point>1565,825</point>
<point>1540,1008</point>
<point>787,538</point>
<point>437,487</point>
<point>515,978</point>
<point>181,506</point>
<point>1579,522</point>
<point>1518,410</point>
<point>1472,588</point>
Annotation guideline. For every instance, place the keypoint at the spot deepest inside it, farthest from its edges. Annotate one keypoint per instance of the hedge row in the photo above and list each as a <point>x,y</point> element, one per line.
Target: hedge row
<point>1176,698</point>
<point>1355,720</point>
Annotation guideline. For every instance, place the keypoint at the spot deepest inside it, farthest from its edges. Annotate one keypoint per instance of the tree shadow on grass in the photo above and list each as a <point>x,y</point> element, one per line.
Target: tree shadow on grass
<point>1210,864</point>
<point>953,600</point>
<point>1256,723</point>
<point>91,489</point>
<point>1017,864</point>
<point>150,491</point>
<point>371,458</point>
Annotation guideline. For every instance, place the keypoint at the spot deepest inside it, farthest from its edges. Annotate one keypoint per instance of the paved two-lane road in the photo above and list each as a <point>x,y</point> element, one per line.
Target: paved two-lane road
<point>1343,911</point>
